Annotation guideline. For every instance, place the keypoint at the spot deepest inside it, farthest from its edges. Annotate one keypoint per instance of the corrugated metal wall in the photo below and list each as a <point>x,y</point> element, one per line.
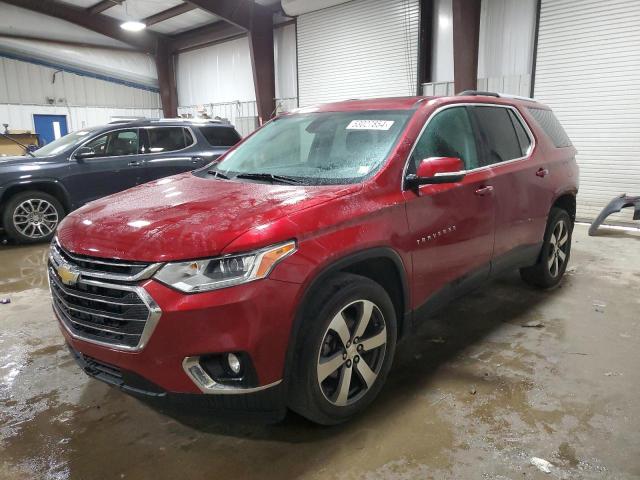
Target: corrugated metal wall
<point>26,88</point>
<point>360,49</point>
<point>588,71</point>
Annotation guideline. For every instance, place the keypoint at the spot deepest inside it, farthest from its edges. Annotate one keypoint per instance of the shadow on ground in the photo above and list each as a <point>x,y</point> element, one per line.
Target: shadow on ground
<point>436,340</point>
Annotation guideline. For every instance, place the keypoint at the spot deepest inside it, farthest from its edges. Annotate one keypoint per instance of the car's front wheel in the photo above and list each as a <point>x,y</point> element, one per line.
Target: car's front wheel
<point>32,216</point>
<point>348,340</point>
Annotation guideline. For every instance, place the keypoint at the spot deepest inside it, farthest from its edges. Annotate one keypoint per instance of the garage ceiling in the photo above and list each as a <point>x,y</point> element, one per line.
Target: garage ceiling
<point>166,17</point>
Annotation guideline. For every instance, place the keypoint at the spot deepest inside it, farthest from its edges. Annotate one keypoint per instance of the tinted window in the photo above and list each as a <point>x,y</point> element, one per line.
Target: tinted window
<point>220,136</point>
<point>448,134</point>
<point>501,141</point>
<point>523,138</point>
<point>167,139</point>
<point>551,126</point>
<point>112,144</point>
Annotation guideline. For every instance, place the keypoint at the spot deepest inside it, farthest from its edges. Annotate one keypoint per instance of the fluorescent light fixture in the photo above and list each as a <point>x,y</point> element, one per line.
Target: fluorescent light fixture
<point>133,26</point>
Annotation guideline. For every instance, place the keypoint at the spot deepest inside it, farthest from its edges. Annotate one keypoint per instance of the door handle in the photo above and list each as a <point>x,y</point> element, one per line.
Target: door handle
<point>482,191</point>
<point>197,160</point>
<point>542,172</point>
<point>134,163</point>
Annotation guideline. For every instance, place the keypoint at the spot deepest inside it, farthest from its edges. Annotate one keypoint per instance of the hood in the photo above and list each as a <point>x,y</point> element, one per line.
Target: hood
<point>183,217</point>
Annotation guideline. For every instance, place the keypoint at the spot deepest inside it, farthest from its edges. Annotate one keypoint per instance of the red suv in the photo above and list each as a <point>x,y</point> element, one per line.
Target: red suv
<point>284,275</point>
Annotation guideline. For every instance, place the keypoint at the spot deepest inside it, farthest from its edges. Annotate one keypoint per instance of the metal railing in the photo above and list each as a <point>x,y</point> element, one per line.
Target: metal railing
<point>243,115</point>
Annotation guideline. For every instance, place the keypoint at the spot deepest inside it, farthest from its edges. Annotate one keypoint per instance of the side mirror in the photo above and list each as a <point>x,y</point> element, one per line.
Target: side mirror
<point>84,152</point>
<point>435,170</point>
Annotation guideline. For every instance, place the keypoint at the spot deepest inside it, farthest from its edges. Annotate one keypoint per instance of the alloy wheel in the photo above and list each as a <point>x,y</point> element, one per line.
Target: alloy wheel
<point>35,218</point>
<point>559,243</point>
<point>352,352</point>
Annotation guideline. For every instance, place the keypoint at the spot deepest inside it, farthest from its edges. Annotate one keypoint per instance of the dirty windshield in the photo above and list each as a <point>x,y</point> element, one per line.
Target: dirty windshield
<point>318,148</point>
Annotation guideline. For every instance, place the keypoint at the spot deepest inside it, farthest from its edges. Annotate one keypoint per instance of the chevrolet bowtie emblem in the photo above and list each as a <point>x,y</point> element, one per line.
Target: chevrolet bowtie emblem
<point>68,275</point>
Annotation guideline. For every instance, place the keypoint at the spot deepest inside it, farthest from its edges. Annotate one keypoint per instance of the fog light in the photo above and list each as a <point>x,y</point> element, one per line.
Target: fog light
<point>234,363</point>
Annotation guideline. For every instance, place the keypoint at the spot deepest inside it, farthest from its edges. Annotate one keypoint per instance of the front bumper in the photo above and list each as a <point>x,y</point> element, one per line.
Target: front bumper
<point>267,405</point>
<point>254,318</point>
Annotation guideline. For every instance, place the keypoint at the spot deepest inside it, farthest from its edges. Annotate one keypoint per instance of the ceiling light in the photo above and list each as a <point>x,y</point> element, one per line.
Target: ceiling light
<point>133,26</point>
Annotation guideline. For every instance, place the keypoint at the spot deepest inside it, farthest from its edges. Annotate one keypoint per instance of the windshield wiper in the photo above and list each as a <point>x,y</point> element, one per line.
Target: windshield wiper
<point>269,177</point>
<point>217,174</point>
<point>26,149</point>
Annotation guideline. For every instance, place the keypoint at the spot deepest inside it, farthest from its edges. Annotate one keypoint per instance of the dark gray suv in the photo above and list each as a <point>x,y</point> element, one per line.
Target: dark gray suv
<point>39,189</point>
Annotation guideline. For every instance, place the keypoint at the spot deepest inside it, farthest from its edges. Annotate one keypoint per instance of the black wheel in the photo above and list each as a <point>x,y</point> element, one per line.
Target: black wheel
<point>554,256</point>
<point>32,216</point>
<point>346,348</point>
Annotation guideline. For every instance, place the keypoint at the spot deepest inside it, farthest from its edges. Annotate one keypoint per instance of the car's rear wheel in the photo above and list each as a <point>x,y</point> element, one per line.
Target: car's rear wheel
<point>32,216</point>
<point>347,345</point>
<point>554,256</point>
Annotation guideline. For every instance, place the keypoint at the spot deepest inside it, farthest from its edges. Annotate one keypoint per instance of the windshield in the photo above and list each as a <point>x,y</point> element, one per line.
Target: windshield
<point>319,148</point>
<point>62,143</point>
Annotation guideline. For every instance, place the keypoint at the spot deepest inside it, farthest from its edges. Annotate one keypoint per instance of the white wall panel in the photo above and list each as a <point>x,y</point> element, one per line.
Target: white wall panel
<point>222,72</point>
<point>442,47</point>
<point>360,49</point>
<point>25,89</point>
<point>588,71</point>
<point>28,83</point>
<point>219,73</point>
<point>507,31</point>
<point>284,42</point>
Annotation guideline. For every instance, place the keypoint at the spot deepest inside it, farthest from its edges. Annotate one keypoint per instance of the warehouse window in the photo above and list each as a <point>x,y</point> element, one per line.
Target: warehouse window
<point>220,136</point>
<point>551,126</point>
<point>168,139</point>
<point>500,137</point>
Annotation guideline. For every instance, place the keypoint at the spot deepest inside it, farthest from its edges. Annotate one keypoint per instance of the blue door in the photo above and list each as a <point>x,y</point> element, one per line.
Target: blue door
<point>50,127</point>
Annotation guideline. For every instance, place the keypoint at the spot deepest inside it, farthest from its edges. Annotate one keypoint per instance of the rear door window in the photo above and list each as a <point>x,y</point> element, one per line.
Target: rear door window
<point>499,135</point>
<point>220,136</point>
<point>167,139</point>
<point>551,126</point>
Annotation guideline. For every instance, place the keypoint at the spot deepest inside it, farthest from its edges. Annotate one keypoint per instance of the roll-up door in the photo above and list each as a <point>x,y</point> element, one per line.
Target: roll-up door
<point>360,49</point>
<point>588,72</point>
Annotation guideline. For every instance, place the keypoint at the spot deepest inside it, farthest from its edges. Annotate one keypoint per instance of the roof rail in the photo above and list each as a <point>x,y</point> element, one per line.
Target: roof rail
<point>495,94</point>
<point>473,93</point>
<point>126,120</point>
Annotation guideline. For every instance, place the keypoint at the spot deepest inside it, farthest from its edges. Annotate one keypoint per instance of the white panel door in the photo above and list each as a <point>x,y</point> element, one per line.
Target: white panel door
<point>360,49</point>
<point>588,71</point>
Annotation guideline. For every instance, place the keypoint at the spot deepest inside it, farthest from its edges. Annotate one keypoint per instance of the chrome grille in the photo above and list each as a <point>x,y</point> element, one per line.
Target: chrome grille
<point>116,313</point>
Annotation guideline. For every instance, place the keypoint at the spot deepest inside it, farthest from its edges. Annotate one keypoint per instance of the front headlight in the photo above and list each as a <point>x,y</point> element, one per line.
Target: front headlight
<point>211,274</point>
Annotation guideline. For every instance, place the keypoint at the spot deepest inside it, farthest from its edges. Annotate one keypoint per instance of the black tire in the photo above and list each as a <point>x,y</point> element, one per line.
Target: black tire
<point>50,214</point>
<point>350,296</point>
<point>550,268</point>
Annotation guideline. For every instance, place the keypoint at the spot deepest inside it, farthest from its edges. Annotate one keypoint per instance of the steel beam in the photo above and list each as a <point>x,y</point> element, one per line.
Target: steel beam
<point>262,62</point>
<point>168,13</point>
<point>466,34</point>
<point>165,67</point>
<point>103,5</point>
<point>206,35</point>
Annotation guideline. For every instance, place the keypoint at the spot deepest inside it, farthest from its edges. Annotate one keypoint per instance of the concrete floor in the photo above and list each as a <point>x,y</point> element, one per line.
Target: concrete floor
<point>475,394</point>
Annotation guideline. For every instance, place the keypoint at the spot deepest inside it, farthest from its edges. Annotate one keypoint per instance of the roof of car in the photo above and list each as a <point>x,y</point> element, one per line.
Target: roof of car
<point>409,103</point>
<point>146,122</point>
